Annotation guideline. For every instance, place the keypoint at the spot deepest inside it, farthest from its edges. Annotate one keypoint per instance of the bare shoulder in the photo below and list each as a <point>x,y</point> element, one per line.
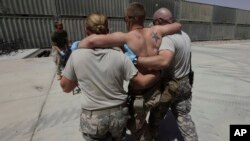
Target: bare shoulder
<point>156,29</point>
<point>155,36</point>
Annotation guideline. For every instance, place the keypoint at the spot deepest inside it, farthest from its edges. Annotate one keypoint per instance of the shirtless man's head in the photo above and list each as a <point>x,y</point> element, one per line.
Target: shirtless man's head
<point>134,16</point>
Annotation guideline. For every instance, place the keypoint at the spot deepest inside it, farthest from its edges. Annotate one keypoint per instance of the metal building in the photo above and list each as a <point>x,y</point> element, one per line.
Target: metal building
<point>32,20</point>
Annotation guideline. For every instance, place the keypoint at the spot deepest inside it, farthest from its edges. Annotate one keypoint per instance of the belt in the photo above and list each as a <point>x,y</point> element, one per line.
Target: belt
<point>105,110</point>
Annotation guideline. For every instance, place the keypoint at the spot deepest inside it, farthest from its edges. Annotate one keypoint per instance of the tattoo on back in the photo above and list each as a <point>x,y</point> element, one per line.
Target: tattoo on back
<point>155,37</point>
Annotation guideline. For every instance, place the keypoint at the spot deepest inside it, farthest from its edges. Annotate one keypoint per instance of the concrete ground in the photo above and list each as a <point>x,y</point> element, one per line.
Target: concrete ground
<point>24,53</point>
<point>34,108</point>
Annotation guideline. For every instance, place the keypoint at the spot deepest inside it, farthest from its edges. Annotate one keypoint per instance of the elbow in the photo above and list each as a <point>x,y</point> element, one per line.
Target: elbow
<point>64,87</point>
<point>141,84</point>
<point>138,86</point>
<point>86,43</point>
<point>179,26</point>
<point>66,90</point>
<point>90,42</point>
<point>164,64</point>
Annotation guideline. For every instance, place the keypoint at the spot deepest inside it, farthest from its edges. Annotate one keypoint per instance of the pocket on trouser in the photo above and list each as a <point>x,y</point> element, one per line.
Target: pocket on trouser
<point>140,113</point>
<point>152,96</point>
<point>94,125</point>
<point>118,122</point>
<point>183,107</point>
<point>170,90</point>
<point>185,88</point>
<point>157,114</point>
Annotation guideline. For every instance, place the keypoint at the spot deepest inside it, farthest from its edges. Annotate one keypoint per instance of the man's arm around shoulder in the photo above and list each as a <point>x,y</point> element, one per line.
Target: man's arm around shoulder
<point>168,29</point>
<point>157,62</point>
<point>107,40</point>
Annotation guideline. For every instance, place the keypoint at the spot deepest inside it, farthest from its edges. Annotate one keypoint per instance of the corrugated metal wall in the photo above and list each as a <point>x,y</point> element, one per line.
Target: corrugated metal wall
<point>208,22</point>
<point>224,15</point>
<point>112,8</point>
<point>33,20</point>
<point>152,5</point>
<point>35,32</point>
<point>75,27</point>
<point>242,32</point>
<point>222,32</point>
<point>242,17</point>
<point>172,5</point>
<point>195,12</point>
<point>28,7</point>
<point>198,31</point>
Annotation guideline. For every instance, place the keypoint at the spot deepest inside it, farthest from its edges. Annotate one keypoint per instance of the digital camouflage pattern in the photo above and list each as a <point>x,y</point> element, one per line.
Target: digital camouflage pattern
<point>146,100</point>
<point>142,102</point>
<point>169,93</point>
<point>181,107</point>
<point>100,124</point>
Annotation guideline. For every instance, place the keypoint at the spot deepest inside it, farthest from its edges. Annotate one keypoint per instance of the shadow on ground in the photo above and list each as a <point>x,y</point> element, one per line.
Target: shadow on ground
<point>168,130</point>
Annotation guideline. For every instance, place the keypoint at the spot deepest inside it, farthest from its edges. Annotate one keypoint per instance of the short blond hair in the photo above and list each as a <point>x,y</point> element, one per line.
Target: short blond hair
<point>97,23</point>
<point>135,9</point>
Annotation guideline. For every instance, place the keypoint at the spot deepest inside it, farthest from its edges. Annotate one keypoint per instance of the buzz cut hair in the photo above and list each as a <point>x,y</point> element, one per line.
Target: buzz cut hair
<point>135,9</point>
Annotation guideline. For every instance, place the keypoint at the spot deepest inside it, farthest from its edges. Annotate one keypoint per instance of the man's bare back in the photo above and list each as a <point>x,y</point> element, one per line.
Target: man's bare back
<point>143,41</point>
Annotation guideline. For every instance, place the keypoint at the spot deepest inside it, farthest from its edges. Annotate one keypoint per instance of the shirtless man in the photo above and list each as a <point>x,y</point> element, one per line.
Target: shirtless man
<point>143,42</point>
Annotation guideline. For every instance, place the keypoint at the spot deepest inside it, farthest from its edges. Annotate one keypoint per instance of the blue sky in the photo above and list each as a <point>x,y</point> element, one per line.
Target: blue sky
<point>241,4</point>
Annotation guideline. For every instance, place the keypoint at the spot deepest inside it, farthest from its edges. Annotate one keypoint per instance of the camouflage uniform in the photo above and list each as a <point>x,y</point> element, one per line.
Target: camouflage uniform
<point>181,106</point>
<point>142,102</point>
<point>104,124</point>
<point>57,60</point>
<point>156,98</point>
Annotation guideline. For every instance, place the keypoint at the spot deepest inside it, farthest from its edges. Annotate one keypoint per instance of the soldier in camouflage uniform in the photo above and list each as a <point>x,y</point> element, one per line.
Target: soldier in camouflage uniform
<point>144,42</point>
<point>175,61</point>
<point>100,74</point>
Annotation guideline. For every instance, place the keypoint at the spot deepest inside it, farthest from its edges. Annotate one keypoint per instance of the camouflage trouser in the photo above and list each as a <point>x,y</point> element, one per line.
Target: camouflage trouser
<point>57,60</point>
<point>181,107</point>
<point>104,124</point>
<point>156,99</point>
<point>143,102</point>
